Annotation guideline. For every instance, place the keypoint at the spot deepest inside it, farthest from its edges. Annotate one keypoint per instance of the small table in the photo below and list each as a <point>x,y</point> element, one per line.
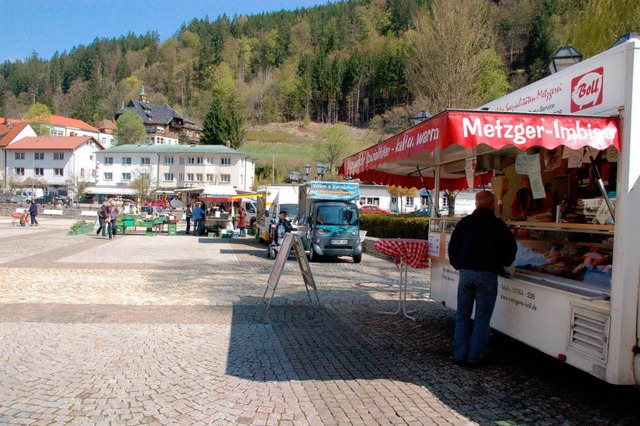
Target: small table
<point>405,252</point>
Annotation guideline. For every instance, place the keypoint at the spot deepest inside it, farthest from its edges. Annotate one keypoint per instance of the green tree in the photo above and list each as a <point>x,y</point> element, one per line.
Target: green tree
<point>130,129</point>
<point>225,119</point>
<point>143,183</point>
<point>440,76</point>
<point>39,116</point>
<point>77,185</point>
<point>336,143</point>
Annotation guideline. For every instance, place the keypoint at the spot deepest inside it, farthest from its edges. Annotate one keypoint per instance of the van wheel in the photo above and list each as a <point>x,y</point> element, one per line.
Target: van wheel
<point>252,222</point>
<point>313,256</point>
<point>357,258</point>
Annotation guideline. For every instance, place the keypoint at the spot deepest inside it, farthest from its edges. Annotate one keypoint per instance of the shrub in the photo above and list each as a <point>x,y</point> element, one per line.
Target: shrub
<point>392,226</point>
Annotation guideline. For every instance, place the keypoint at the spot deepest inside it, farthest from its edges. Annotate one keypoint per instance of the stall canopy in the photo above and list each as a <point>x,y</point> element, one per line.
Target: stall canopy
<point>445,140</point>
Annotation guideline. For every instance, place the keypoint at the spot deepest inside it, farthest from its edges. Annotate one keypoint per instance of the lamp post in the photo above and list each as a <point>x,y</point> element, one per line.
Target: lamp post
<point>564,58</point>
<point>321,169</point>
<point>294,176</point>
<point>420,116</point>
<point>306,170</point>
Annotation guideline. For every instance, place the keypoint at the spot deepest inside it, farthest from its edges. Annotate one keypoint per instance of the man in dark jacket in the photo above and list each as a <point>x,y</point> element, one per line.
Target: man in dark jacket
<point>480,246</point>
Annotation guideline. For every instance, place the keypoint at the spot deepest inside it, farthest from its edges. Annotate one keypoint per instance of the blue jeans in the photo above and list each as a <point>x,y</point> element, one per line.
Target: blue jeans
<point>471,340</point>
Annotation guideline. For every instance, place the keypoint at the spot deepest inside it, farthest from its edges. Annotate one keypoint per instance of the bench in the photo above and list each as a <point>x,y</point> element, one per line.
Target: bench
<point>52,212</point>
<point>90,214</point>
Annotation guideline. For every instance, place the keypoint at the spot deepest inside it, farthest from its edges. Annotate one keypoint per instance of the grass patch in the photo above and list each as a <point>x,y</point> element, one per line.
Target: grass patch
<point>294,152</point>
<point>266,136</point>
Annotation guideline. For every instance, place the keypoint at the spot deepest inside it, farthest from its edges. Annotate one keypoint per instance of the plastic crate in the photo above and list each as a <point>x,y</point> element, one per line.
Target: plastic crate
<point>172,229</point>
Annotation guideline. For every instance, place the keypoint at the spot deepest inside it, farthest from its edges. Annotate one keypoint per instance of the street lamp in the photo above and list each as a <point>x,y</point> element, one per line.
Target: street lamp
<point>420,116</point>
<point>294,176</point>
<point>306,169</point>
<point>564,58</point>
<point>321,169</point>
<point>624,38</point>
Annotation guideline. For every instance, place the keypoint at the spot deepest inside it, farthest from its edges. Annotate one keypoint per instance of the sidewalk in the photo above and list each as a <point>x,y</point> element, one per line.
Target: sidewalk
<point>169,330</point>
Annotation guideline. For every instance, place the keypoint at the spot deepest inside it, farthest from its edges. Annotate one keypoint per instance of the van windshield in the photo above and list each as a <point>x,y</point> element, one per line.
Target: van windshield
<point>337,214</point>
<point>291,209</point>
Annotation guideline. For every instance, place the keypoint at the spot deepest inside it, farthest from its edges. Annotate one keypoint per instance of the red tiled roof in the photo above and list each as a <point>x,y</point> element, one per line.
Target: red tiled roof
<point>50,142</point>
<point>70,122</point>
<point>9,132</point>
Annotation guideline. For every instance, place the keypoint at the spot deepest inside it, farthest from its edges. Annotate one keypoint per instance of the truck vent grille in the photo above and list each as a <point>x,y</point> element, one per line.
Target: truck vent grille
<point>589,332</point>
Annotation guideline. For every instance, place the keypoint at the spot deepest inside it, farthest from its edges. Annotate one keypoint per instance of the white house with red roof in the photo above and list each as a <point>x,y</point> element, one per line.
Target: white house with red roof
<point>55,160</point>
<point>10,132</point>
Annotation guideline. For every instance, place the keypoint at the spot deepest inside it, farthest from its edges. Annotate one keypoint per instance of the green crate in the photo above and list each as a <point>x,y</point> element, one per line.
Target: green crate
<point>172,229</point>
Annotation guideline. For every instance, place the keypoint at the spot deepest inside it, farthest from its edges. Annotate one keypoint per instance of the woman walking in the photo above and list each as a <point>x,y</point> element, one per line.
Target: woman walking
<point>104,214</point>
<point>113,219</point>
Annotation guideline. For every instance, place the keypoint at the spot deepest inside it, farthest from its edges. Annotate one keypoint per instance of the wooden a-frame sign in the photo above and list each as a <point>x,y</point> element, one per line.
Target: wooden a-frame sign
<point>290,241</point>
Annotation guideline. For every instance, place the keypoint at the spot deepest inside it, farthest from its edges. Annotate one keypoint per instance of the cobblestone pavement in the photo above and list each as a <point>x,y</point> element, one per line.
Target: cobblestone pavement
<point>169,330</point>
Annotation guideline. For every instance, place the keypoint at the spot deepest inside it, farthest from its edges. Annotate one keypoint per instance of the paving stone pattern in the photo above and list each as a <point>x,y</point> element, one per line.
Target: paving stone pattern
<point>170,330</point>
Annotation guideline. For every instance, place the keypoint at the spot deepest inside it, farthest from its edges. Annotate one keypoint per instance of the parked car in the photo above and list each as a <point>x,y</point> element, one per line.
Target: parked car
<point>156,203</point>
<point>6,198</point>
<point>424,211</point>
<point>52,199</point>
<point>371,208</point>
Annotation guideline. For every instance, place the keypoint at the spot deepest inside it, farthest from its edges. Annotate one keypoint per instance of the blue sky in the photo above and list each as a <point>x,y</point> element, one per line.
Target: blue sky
<point>47,26</point>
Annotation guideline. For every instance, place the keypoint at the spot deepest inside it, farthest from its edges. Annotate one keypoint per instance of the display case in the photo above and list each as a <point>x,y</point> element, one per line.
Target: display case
<point>579,252</point>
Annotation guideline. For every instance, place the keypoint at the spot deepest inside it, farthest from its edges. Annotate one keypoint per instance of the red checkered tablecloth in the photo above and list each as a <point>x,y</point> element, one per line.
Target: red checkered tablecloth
<point>413,251</point>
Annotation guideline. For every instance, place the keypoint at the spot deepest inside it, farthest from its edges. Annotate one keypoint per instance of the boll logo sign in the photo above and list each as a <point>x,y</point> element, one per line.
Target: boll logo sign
<point>586,90</point>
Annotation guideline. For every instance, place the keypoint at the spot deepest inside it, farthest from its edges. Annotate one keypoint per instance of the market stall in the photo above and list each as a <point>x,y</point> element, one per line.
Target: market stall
<point>565,182</point>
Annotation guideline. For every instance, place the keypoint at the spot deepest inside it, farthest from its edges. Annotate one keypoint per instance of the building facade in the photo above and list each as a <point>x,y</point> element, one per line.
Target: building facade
<point>171,167</point>
<point>54,160</point>
<point>10,132</point>
<point>163,124</point>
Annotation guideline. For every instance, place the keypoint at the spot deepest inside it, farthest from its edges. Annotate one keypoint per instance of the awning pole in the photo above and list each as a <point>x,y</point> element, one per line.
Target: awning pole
<point>429,199</point>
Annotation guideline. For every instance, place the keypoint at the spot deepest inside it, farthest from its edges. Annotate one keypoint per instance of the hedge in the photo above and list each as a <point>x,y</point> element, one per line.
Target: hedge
<point>395,226</point>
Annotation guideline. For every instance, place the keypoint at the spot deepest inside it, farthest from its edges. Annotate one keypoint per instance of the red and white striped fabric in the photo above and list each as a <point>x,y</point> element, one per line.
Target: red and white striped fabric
<point>413,251</point>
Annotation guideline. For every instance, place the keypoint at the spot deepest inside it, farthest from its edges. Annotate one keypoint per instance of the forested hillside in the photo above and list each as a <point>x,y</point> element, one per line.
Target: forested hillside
<point>360,62</point>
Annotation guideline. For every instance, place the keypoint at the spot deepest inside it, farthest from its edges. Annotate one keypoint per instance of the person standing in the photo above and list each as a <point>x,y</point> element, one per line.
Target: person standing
<point>242,221</point>
<point>104,215</point>
<point>481,245</point>
<point>113,218</point>
<point>188,215</point>
<point>33,212</point>
<point>198,220</point>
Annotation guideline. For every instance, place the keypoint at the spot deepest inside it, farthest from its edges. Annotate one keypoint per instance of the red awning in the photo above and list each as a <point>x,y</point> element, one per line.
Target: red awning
<point>446,136</point>
<point>215,199</point>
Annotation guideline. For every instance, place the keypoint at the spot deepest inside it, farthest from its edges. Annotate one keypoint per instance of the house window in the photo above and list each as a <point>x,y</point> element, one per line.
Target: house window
<point>91,157</point>
<point>126,160</point>
<point>199,160</point>
<point>20,171</point>
<point>189,177</point>
<point>39,171</point>
<point>199,177</point>
<point>126,177</point>
<point>93,173</point>
<point>409,201</point>
<point>38,155</point>
<point>226,161</point>
<point>181,177</point>
<point>81,172</point>
<point>58,155</point>
<point>58,172</point>
<point>370,200</point>
<point>181,160</point>
<point>168,177</point>
<point>209,177</point>
<point>159,129</point>
<point>209,160</point>
<point>145,160</point>
<point>168,160</point>
<point>108,176</point>
<point>225,178</point>
<point>108,160</point>
<point>191,160</point>
<point>19,155</point>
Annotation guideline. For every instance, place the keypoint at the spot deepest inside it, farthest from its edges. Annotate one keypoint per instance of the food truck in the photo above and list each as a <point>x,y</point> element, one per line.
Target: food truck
<point>575,135</point>
<point>329,223</point>
<point>274,199</point>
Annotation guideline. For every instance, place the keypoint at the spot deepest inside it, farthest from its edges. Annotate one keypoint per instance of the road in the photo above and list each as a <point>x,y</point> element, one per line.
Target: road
<point>170,330</point>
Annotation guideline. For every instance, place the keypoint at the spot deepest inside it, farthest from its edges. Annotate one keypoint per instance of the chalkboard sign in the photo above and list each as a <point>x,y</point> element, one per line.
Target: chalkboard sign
<point>291,240</point>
